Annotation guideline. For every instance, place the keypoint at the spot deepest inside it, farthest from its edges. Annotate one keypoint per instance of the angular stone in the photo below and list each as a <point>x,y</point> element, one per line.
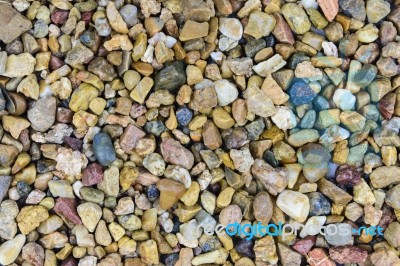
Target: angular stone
<point>274,180</point>
<point>174,153</point>
<point>258,102</point>
<point>13,23</point>
<point>19,65</point>
<point>170,192</point>
<point>296,17</point>
<point>193,30</point>
<point>330,8</point>
<point>130,137</point>
<point>170,77</point>
<point>333,192</point>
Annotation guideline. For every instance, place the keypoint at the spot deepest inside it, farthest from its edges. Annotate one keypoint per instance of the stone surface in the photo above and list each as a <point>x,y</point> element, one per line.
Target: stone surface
<point>14,24</point>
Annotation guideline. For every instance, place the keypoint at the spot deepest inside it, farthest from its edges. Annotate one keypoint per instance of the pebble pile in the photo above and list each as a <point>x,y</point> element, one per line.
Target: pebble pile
<point>126,124</point>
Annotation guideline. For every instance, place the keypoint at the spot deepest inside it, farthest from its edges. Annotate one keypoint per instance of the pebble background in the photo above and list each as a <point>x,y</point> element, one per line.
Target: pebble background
<point>126,124</point>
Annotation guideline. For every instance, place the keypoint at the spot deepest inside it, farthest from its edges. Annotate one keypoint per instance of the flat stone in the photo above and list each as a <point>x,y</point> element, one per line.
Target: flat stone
<point>193,30</point>
<point>13,23</point>
<point>19,65</point>
<point>42,114</point>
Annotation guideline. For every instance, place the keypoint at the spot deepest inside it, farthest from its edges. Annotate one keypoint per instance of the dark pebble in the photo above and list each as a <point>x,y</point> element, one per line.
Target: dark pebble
<point>254,46</point>
<point>255,128</point>
<point>170,259</point>
<point>103,149</point>
<point>177,223</point>
<point>269,157</point>
<point>320,103</point>
<point>296,59</point>
<point>170,77</point>
<point>153,193</point>
<point>155,127</point>
<point>35,151</point>
<point>184,116</point>
<point>59,16</point>
<point>23,189</point>
<point>319,204</point>
<point>270,41</point>
<point>45,166</point>
<point>245,247</point>
<point>73,143</point>
<point>347,175</point>
<point>300,93</point>
<point>5,182</point>
<point>2,102</point>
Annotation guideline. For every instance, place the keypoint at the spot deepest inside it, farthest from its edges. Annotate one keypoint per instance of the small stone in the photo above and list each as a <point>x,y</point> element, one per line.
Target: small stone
<point>92,175</point>
<point>42,114</point>
<point>90,214</point>
<point>14,24</point>
<point>171,191</point>
<point>368,33</point>
<point>10,249</point>
<point>110,183</point>
<point>274,180</point>
<point>262,207</point>
<point>330,8</point>
<point>296,18</point>
<point>344,99</point>
<point>300,92</point>
<point>61,188</point>
<point>231,28</point>
<point>347,175</point>
<point>294,204</point>
<point>103,149</point>
<point>336,239</point>
<point>78,55</point>
<point>149,252</point>
<point>174,153</point>
<point>259,103</point>
<point>67,208</point>
<point>269,66</point>
<point>260,24</point>
<point>115,19</point>
<point>226,92</point>
<point>170,77</point>
<point>130,137</point>
<point>333,192</point>
<point>154,163</point>
<point>30,217</point>
<point>203,99</point>
<point>377,10</point>
<point>193,30</point>
<point>14,125</point>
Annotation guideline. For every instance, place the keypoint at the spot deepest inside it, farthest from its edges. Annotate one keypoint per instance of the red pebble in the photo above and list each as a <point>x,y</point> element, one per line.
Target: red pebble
<point>73,143</point>
<point>92,175</point>
<point>67,208</point>
<point>318,257</point>
<point>59,16</point>
<point>347,175</point>
<point>345,255</point>
<point>304,245</point>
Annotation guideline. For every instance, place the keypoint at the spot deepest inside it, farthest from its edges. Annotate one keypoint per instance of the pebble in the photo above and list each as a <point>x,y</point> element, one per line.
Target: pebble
<point>231,28</point>
<point>14,24</point>
<point>90,214</point>
<point>10,249</point>
<point>30,217</point>
<point>174,153</point>
<point>103,149</point>
<point>274,180</point>
<point>170,192</point>
<point>300,92</point>
<point>296,18</point>
<point>226,92</point>
<point>294,204</point>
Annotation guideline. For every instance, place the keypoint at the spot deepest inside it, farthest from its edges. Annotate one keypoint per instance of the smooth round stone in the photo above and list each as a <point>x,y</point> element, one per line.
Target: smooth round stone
<point>226,92</point>
<point>129,14</point>
<point>294,204</point>
<point>184,116</point>
<point>103,149</point>
<point>309,4</point>
<point>319,204</point>
<point>153,193</point>
<point>344,99</point>
<point>102,27</point>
